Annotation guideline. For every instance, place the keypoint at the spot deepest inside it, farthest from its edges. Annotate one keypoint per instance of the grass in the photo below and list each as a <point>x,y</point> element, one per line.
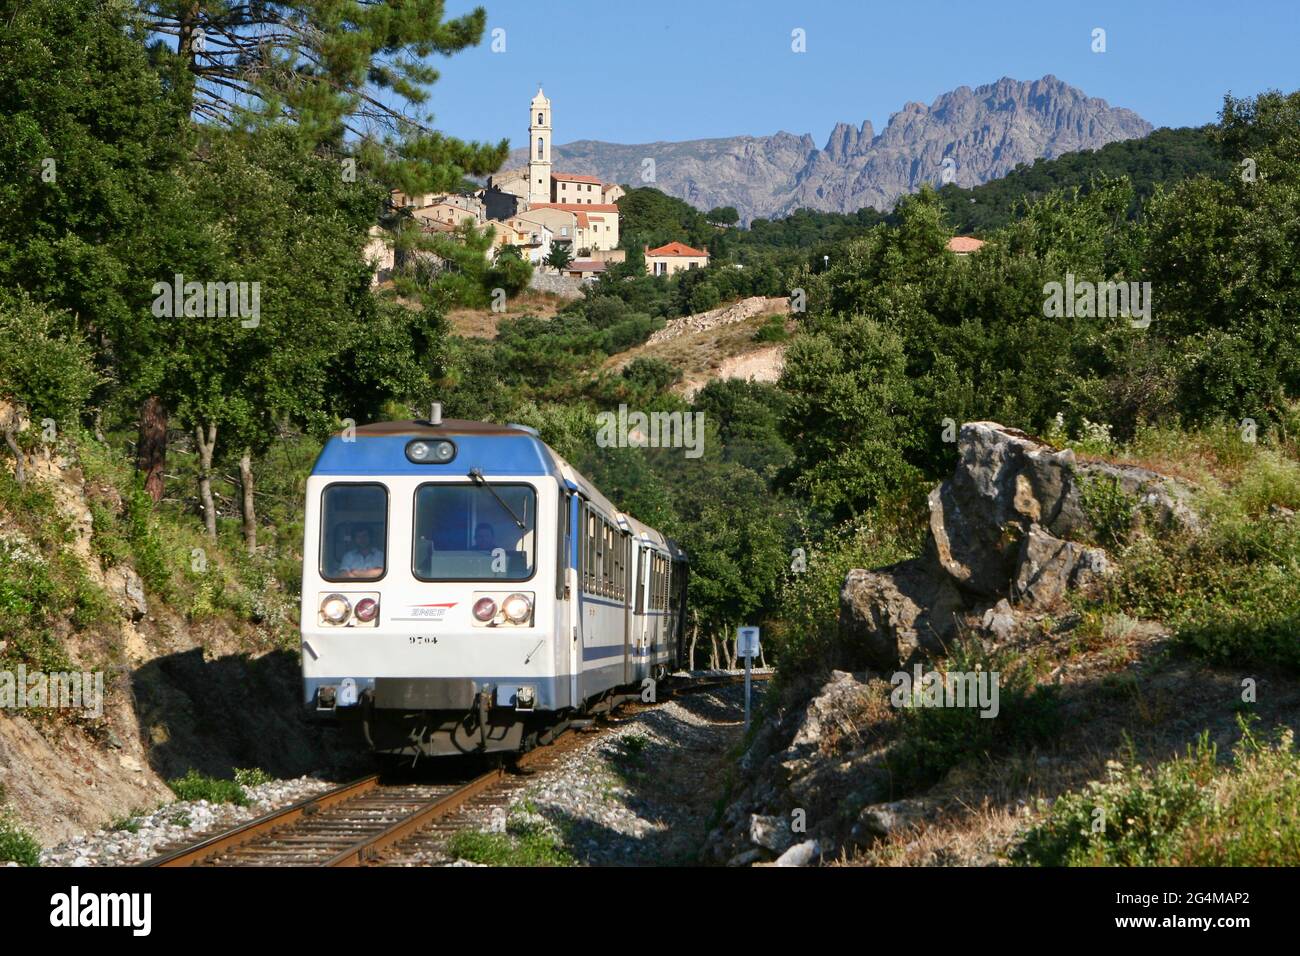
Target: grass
<point>1229,591</point>
<point>196,786</point>
<point>1190,811</point>
<point>253,777</point>
<point>16,844</point>
<point>934,740</point>
<point>526,842</point>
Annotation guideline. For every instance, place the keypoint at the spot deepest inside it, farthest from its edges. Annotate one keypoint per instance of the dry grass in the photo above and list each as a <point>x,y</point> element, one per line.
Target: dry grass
<point>482,323</point>
<point>1123,696</point>
<point>703,356</point>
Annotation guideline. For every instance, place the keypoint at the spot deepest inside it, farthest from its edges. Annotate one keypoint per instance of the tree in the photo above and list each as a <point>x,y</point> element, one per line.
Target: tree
<point>45,368</point>
<point>559,257</point>
<point>723,216</point>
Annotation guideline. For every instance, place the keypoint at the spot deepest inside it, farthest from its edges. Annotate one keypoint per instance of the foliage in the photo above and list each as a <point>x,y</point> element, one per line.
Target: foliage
<point>16,844</point>
<point>1185,812</point>
<point>933,740</point>
<point>196,786</point>
<point>45,364</point>
<point>526,841</point>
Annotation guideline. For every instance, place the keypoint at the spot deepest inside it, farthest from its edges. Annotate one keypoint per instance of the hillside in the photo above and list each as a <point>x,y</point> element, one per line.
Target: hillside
<point>982,133</point>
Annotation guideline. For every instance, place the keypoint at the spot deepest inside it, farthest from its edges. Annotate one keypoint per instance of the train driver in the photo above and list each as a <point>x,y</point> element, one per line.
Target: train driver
<point>363,560</point>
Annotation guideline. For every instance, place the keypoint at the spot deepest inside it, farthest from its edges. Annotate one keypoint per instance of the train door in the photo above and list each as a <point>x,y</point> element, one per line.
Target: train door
<point>581,625</point>
<point>567,589</point>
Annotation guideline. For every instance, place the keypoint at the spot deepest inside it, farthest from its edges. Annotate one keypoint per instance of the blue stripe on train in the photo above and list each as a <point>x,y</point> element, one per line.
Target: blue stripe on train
<point>386,455</point>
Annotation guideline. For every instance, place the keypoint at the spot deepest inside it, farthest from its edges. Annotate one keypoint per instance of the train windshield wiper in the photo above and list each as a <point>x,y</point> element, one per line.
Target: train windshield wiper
<point>476,476</point>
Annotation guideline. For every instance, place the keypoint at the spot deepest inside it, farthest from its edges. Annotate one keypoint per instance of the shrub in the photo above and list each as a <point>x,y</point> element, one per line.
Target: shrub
<point>1185,812</point>
<point>16,844</point>
<point>936,739</point>
<point>196,786</point>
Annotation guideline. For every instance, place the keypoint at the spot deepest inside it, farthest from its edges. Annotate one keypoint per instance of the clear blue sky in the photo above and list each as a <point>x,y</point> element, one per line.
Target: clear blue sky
<point>634,71</point>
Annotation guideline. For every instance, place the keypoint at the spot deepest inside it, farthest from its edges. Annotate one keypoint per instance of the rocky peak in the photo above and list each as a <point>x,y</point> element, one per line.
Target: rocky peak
<point>987,130</point>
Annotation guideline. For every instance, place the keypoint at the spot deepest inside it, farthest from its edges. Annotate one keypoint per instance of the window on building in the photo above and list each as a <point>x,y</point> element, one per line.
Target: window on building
<point>539,150</point>
<point>539,120</point>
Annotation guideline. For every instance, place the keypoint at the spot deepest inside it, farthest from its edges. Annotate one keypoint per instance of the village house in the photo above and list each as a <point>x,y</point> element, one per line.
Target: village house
<point>674,257</point>
<point>531,207</point>
<point>964,245</point>
<point>584,209</point>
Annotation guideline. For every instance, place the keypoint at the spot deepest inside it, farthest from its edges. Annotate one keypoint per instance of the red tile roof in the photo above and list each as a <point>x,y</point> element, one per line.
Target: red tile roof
<point>964,244</point>
<point>676,249</point>
<point>585,265</point>
<point>576,178</point>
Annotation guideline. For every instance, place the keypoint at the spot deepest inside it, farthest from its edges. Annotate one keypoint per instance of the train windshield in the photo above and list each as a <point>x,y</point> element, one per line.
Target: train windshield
<point>475,532</point>
<point>354,532</point>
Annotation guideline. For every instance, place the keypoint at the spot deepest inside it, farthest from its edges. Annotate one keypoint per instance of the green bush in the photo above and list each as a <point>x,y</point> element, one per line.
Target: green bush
<point>44,362</point>
<point>16,844</point>
<point>525,843</point>
<point>1186,812</point>
<point>933,740</point>
<point>196,786</point>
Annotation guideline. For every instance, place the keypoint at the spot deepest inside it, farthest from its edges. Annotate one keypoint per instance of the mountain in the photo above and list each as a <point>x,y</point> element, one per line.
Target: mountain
<point>985,132</point>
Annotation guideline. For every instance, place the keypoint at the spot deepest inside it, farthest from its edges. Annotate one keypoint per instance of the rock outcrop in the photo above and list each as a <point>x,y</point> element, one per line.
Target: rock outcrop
<point>1011,532</point>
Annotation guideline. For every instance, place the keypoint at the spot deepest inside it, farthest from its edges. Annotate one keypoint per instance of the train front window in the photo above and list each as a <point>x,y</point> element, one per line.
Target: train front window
<point>354,532</point>
<point>475,532</point>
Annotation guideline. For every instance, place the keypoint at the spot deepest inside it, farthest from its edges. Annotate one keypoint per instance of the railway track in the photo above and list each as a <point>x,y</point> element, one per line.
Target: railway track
<point>371,821</point>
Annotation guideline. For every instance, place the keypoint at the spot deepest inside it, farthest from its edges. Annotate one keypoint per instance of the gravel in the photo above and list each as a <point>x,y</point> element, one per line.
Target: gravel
<point>185,821</point>
<point>641,793</point>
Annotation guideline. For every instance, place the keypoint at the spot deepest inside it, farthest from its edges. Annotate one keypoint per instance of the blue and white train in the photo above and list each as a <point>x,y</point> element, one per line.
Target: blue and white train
<point>465,589</point>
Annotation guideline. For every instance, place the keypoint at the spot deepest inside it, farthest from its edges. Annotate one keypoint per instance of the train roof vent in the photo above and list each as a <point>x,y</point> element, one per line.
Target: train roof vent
<point>525,428</point>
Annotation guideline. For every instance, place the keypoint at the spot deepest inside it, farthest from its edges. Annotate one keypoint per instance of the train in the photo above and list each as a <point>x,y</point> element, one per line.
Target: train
<point>466,590</point>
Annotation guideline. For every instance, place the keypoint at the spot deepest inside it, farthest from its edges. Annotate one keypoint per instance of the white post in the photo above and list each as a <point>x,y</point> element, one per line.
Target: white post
<point>747,647</point>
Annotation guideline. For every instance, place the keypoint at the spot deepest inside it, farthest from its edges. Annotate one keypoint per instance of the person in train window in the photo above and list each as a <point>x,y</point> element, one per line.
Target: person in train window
<point>485,538</point>
<point>363,560</point>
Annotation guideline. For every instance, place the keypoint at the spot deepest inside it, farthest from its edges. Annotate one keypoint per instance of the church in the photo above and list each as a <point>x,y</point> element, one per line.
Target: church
<point>573,207</point>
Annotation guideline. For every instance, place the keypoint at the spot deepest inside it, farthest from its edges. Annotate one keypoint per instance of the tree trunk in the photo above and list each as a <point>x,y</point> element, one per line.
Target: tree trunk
<point>151,450</point>
<point>695,636</point>
<point>205,477</point>
<point>11,439</point>
<point>713,652</point>
<point>249,508</point>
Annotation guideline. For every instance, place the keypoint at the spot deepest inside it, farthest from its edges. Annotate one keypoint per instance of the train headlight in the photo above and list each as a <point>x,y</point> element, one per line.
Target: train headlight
<point>485,609</point>
<point>366,610</point>
<point>430,451</point>
<point>517,608</point>
<point>335,609</point>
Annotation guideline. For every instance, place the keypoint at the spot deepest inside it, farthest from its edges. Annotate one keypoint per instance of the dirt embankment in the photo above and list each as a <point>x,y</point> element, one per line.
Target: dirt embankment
<point>177,695</point>
<point>718,344</point>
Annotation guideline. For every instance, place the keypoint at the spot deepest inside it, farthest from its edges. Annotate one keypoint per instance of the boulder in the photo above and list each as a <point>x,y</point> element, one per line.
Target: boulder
<point>1007,481</point>
<point>126,588</point>
<point>1048,567</point>
<point>770,832</point>
<point>883,820</point>
<point>898,611</point>
<point>801,854</point>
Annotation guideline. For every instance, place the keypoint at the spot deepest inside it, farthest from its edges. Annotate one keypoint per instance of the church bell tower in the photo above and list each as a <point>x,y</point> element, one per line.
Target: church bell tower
<point>539,148</point>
